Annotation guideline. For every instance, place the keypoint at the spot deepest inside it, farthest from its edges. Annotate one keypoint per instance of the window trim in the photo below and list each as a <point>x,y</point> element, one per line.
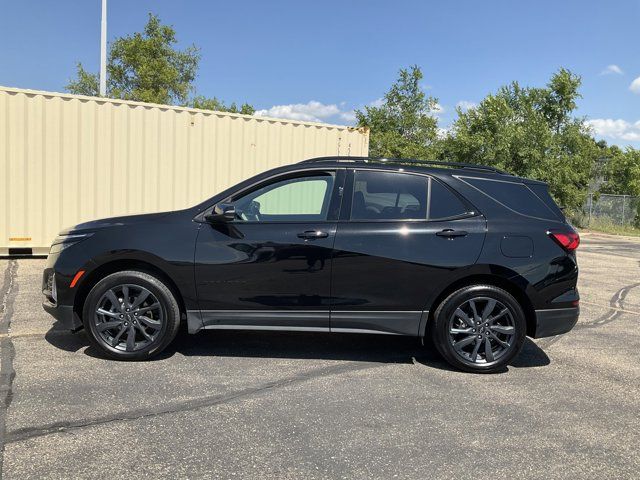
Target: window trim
<point>347,203</point>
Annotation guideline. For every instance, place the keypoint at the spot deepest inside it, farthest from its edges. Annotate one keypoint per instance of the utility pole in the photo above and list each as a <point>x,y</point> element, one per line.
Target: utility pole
<point>103,51</point>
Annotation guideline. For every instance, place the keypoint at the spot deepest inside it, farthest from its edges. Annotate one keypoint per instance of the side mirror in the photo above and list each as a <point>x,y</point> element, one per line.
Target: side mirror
<point>223,212</point>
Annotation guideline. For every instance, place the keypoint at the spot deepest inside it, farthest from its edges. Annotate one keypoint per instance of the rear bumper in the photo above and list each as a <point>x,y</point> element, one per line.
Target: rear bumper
<point>63,314</point>
<point>555,321</point>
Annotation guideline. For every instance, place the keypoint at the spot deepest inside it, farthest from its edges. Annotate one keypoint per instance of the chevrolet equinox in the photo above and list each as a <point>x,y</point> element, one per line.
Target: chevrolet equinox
<point>468,256</point>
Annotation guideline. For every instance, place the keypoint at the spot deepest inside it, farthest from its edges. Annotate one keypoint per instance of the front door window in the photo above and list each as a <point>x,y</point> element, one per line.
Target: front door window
<point>297,199</point>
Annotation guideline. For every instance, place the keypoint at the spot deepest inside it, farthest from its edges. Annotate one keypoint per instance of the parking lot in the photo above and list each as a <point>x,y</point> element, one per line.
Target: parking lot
<point>267,405</point>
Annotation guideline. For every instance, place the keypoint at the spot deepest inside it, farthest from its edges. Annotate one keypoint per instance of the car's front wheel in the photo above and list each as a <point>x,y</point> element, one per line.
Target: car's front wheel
<point>479,328</point>
<point>131,315</point>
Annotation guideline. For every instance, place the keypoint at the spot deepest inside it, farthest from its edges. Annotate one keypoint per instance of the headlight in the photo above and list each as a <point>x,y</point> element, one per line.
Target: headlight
<point>64,241</point>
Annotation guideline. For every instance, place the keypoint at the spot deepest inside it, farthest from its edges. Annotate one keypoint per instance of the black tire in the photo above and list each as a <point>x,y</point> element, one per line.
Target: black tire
<point>156,319</point>
<point>478,344</point>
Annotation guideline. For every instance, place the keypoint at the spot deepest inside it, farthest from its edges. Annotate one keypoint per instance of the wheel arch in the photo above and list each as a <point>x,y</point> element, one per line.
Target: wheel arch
<point>507,284</point>
<point>119,265</point>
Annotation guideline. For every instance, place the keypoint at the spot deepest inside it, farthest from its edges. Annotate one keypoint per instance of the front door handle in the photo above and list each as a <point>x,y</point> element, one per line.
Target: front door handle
<point>312,234</point>
<point>451,234</point>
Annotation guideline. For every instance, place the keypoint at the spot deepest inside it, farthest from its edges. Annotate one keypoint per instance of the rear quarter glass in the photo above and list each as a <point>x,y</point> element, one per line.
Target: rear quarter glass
<point>515,196</point>
<point>542,192</point>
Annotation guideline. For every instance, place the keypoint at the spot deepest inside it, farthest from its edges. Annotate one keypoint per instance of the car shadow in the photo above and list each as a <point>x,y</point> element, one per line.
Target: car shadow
<point>298,345</point>
<point>66,340</point>
<point>530,356</point>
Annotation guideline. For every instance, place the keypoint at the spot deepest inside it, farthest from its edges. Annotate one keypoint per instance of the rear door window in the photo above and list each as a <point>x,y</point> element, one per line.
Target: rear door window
<point>389,196</point>
<point>402,196</point>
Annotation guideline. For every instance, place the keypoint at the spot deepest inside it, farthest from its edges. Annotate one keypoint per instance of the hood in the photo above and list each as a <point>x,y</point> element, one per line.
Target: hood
<point>113,222</point>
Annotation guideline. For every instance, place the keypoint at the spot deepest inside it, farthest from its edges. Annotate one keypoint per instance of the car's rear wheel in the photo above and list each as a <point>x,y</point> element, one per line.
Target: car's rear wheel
<point>131,315</point>
<point>479,328</point>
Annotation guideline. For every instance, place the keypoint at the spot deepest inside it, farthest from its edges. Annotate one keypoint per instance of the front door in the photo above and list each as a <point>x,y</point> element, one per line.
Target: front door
<point>400,238</point>
<point>270,268</point>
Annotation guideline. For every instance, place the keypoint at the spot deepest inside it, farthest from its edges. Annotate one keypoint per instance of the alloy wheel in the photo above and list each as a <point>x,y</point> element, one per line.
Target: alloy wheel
<point>482,330</point>
<point>128,317</point>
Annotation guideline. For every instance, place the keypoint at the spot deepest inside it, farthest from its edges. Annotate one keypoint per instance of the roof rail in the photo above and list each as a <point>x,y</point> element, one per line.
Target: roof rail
<point>470,166</point>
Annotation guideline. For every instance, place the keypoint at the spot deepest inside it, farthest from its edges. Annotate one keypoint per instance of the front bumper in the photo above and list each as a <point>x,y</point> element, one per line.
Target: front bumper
<point>555,321</point>
<point>63,314</point>
<point>62,311</point>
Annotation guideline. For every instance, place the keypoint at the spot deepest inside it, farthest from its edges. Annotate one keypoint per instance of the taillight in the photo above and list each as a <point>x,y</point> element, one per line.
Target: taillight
<point>567,240</point>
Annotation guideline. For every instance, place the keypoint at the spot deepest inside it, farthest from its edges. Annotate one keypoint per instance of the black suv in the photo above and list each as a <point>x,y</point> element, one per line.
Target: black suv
<point>468,256</point>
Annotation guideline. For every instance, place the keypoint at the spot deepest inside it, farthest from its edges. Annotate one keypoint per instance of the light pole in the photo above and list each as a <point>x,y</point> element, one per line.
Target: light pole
<point>103,51</point>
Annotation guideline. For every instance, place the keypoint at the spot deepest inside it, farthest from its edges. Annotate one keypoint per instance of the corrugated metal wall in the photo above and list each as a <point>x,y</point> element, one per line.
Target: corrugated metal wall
<point>65,159</point>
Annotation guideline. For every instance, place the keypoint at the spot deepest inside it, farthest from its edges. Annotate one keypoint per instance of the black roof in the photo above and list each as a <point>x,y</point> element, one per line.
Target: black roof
<point>431,166</point>
<point>404,161</point>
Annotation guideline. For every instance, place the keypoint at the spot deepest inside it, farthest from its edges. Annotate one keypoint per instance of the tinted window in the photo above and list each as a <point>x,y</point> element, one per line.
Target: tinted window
<point>294,199</point>
<point>542,192</point>
<point>389,196</point>
<point>444,203</point>
<point>515,196</point>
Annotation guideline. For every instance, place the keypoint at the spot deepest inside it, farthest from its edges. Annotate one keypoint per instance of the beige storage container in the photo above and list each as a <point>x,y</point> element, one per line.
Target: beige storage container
<point>65,159</point>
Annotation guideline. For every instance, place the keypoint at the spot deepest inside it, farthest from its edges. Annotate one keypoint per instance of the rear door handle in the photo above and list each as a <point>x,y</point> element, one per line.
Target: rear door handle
<point>450,233</point>
<point>312,234</point>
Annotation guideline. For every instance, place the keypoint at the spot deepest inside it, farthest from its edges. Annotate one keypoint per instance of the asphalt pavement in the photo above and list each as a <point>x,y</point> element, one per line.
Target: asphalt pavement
<point>293,405</point>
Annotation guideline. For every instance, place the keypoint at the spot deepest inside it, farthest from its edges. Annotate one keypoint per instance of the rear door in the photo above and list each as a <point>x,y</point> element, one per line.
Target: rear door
<point>400,237</point>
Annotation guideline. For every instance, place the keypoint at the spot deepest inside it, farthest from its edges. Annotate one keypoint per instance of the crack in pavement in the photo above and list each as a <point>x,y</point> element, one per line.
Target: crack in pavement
<point>30,334</point>
<point>623,310</point>
<point>9,279</point>
<point>7,350</point>
<point>616,309</point>
<point>188,405</point>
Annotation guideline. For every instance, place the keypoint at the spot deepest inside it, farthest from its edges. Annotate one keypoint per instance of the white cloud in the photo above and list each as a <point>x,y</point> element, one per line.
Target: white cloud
<point>443,132</point>
<point>315,111</point>
<point>612,69</point>
<point>438,109</point>
<point>617,129</point>
<point>349,116</point>
<point>465,105</point>
<point>312,111</point>
<point>635,86</point>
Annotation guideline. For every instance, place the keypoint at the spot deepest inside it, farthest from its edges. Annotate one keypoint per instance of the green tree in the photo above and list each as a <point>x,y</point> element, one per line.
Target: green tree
<point>404,125</point>
<point>85,83</point>
<point>145,67</point>
<point>218,105</point>
<point>531,132</point>
<point>621,172</point>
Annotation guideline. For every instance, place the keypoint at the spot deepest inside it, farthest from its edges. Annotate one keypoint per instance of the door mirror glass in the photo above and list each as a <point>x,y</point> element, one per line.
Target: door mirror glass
<point>222,212</point>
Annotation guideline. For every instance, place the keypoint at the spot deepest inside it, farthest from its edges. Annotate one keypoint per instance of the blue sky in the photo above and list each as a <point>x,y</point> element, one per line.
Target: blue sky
<point>319,60</point>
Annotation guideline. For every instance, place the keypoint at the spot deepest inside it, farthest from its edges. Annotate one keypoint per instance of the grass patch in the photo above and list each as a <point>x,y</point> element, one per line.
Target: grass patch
<point>605,225</point>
